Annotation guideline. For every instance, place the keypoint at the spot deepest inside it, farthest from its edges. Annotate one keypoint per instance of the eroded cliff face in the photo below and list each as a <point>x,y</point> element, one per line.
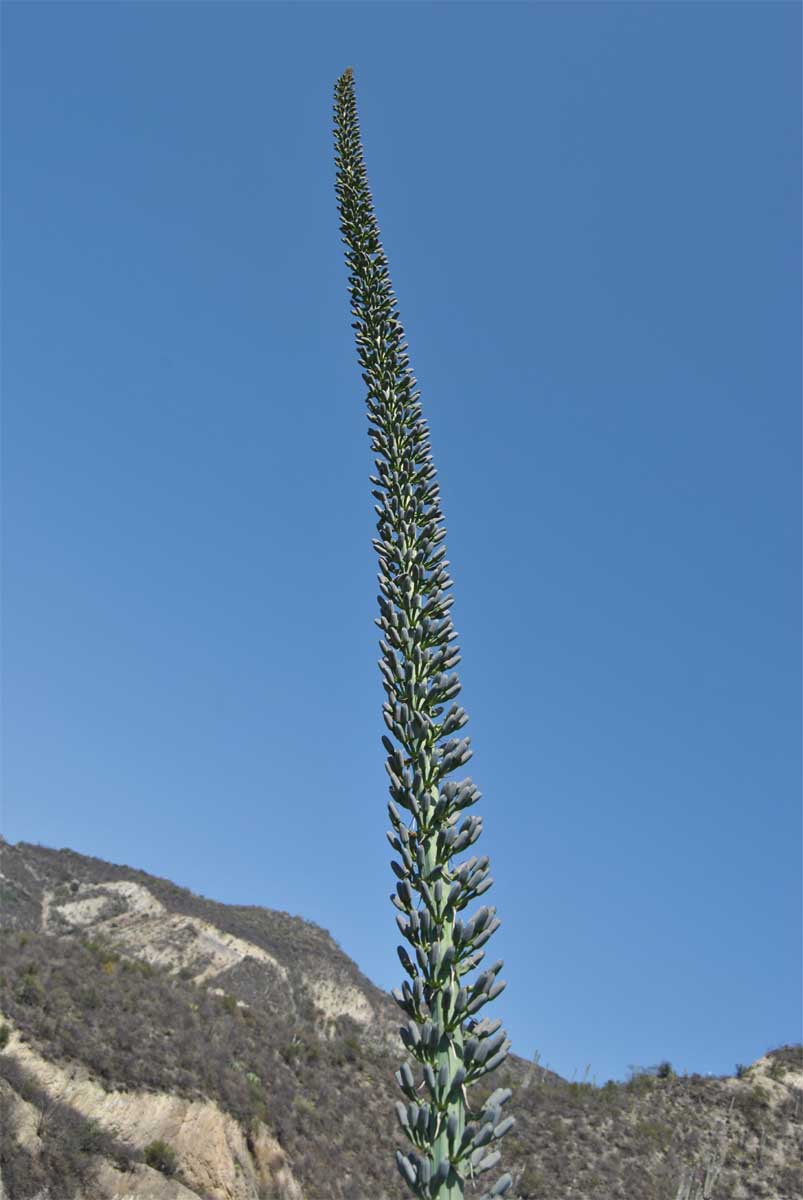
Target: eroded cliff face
<point>140,925</point>
<point>216,1159</point>
<point>258,956</point>
<point>142,1184</point>
<point>287,977</point>
<point>764,1073</point>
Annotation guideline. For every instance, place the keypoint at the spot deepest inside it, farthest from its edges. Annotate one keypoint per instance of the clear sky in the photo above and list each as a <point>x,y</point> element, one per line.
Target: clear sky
<point>591,214</point>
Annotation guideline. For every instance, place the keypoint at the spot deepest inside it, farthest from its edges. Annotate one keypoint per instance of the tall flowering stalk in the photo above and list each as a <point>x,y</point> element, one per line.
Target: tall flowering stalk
<point>449,1047</point>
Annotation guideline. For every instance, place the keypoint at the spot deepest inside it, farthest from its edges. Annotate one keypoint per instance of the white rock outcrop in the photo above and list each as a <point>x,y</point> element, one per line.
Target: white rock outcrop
<point>143,927</point>
<point>214,1158</point>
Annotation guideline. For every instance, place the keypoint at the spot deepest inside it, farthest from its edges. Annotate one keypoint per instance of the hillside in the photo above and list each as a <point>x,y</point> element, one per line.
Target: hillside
<point>158,1044</point>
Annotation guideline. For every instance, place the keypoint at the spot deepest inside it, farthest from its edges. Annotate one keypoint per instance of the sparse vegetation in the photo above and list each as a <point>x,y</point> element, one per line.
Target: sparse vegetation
<point>778,1069</point>
<point>155,1031</point>
<point>141,1027</point>
<point>67,1139</point>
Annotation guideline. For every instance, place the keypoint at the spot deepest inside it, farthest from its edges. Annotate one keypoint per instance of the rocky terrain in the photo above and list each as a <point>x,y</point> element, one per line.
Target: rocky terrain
<point>161,1046</point>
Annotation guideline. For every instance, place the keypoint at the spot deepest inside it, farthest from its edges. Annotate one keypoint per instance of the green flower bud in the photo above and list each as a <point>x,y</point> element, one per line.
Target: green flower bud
<point>404,959</point>
<point>457,1082</point>
<point>485,1164</point>
<point>406,1169</point>
<point>482,1139</point>
<point>497,1059</point>
<point>500,1187</point>
<point>441,1173</point>
<point>405,1080</point>
<point>504,1127</point>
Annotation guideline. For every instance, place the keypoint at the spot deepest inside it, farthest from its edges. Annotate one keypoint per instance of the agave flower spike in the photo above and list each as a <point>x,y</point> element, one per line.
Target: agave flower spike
<point>448,1048</point>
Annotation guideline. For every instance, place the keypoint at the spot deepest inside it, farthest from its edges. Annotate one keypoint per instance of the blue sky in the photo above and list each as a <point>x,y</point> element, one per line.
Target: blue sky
<point>591,214</point>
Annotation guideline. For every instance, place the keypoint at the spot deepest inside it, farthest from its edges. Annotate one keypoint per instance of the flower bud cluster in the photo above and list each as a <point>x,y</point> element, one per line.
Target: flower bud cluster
<point>449,1047</point>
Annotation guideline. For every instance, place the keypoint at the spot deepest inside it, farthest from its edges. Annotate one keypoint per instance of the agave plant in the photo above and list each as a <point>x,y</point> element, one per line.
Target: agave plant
<point>449,1047</point>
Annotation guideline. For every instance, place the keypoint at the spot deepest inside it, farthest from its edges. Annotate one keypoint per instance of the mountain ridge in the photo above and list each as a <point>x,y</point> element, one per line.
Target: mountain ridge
<point>268,931</point>
<point>137,1013</point>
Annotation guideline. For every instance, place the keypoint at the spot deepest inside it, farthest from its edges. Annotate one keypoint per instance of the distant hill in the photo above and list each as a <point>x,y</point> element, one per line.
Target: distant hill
<point>161,1046</point>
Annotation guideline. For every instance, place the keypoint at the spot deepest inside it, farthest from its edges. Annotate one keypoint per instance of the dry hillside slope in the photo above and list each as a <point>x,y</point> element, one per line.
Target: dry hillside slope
<point>161,1046</point>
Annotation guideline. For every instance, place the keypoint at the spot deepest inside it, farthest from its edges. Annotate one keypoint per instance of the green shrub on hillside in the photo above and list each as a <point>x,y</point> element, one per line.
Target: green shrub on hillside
<point>161,1156</point>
